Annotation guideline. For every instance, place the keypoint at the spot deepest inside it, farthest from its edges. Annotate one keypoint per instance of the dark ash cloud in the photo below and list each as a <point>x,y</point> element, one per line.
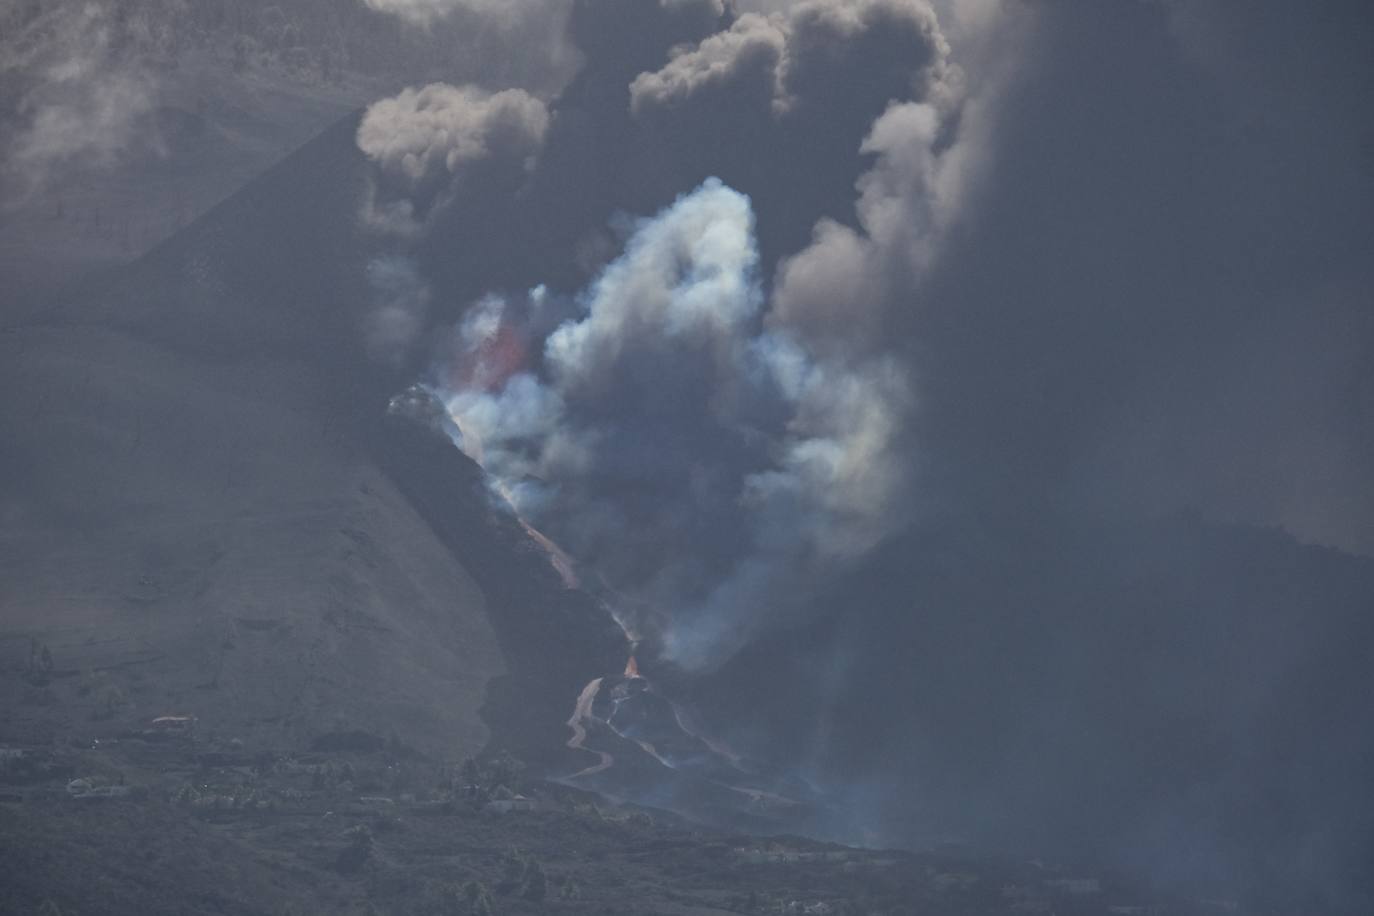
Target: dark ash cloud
<point>784,285</point>
<point>424,140</point>
<point>1156,300</point>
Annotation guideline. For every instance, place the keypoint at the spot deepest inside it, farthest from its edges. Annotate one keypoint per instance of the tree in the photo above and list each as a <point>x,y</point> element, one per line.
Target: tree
<point>513,868</point>
<point>478,898</point>
<point>359,849</point>
<point>40,666</point>
<point>505,770</point>
<point>536,884</point>
<point>468,773</point>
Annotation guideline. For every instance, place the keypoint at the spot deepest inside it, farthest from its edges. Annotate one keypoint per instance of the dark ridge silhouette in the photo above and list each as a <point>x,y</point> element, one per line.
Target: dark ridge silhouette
<point>554,638</point>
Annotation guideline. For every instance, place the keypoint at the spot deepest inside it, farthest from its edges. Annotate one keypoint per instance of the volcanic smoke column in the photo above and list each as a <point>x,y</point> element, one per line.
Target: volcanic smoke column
<point>704,460</point>
<point>711,446</point>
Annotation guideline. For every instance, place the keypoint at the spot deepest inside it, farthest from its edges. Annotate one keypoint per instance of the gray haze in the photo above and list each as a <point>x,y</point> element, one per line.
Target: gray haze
<point>986,388</point>
<point>1048,270</point>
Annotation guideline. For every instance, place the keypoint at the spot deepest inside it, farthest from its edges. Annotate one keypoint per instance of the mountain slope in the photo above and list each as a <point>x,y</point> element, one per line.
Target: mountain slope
<point>206,512</point>
<point>206,533</point>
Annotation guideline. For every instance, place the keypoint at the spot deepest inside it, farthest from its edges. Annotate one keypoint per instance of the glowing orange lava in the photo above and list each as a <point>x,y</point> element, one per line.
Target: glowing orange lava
<point>632,668</point>
<point>487,367</point>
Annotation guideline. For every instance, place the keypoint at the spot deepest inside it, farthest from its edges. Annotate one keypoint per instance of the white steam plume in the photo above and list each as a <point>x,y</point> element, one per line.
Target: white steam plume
<point>712,467</point>
<point>714,448</point>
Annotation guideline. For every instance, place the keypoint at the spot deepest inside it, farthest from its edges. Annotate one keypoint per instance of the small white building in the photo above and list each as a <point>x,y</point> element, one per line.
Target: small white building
<point>507,805</point>
<point>1079,887</point>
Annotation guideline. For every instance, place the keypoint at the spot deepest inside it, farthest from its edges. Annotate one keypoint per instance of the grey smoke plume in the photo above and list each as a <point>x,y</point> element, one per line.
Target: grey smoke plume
<point>425,143</point>
<point>1154,304</point>
<point>817,53</point>
<point>424,140</point>
<point>746,56</point>
<point>83,99</point>
<point>438,129</point>
<point>842,289</point>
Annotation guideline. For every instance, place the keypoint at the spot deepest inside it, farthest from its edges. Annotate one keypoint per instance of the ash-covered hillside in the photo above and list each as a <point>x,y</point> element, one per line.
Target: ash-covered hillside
<point>209,512</point>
